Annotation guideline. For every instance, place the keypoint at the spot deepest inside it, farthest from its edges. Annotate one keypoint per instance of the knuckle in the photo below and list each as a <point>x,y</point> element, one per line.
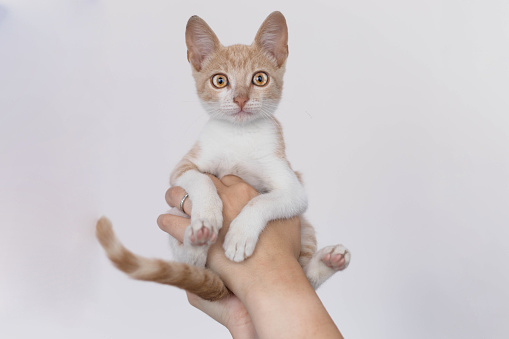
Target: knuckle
<point>160,221</point>
<point>193,299</point>
<point>172,195</point>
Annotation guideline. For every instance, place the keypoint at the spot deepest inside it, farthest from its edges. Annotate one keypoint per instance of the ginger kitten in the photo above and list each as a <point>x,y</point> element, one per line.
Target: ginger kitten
<point>240,87</point>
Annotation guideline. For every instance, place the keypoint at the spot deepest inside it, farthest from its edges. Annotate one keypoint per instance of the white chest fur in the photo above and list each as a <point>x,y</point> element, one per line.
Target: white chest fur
<point>248,151</point>
<point>254,152</point>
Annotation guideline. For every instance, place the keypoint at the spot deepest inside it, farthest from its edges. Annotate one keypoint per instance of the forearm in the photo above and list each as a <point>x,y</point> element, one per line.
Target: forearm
<point>273,287</point>
<point>282,303</point>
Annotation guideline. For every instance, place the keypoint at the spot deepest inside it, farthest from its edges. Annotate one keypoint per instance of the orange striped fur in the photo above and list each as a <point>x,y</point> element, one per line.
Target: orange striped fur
<point>200,281</point>
<point>207,57</point>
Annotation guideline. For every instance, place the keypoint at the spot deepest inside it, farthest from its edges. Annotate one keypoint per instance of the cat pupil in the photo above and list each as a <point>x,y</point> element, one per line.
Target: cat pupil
<point>260,79</point>
<point>220,81</point>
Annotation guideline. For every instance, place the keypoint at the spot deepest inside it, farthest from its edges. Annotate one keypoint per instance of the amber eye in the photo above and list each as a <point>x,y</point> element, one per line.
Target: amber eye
<point>219,80</point>
<point>260,79</point>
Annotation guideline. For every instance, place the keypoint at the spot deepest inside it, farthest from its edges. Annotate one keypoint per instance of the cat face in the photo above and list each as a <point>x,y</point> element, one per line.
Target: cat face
<point>239,83</point>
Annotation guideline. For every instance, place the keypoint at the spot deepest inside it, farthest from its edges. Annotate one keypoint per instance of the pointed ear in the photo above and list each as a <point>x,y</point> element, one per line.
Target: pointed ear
<point>200,40</point>
<point>272,37</point>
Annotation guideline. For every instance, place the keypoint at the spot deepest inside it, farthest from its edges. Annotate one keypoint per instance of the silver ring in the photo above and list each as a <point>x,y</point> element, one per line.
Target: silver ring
<point>182,202</point>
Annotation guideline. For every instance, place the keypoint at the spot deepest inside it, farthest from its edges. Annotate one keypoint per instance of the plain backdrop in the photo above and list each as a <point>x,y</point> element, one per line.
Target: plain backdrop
<point>396,112</point>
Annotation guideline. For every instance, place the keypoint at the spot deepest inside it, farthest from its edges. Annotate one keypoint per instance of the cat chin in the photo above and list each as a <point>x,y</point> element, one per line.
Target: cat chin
<point>240,117</point>
<point>243,115</point>
<point>243,119</point>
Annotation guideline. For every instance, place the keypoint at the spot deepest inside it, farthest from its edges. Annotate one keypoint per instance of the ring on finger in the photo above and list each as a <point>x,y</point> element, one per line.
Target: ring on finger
<point>182,202</point>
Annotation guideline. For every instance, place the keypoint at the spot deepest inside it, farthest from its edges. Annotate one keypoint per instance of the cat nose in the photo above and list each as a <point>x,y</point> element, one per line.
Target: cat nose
<point>241,100</point>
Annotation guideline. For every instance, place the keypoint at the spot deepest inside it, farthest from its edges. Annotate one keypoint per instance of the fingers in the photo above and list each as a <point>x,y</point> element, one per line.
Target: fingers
<point>229,180</point>
<point>193,299</point>
<point>216,310</point>
<point>174,196</point>
<point>219,185</point>
<point>174,225</point>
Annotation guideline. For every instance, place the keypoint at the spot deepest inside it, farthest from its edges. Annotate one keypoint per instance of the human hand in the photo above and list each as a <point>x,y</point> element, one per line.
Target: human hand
<point>273,298</point>
<point>280,241</point>
<point>230,312</point>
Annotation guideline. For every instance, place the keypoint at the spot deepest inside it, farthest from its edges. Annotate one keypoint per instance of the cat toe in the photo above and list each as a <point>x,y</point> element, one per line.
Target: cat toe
<point>202,236</point>
<point>336,257</point>
<point>204,230</point>
<point>238,247</point>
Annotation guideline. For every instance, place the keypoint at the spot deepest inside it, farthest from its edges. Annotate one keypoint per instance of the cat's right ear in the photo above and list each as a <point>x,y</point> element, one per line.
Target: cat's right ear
<point>201,41</point>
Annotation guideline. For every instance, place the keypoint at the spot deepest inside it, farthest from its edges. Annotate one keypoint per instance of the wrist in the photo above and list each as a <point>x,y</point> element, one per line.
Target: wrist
<point>283,304</point>
<point>242,331</point>
<point>273,275</point>
<point>252,278</point>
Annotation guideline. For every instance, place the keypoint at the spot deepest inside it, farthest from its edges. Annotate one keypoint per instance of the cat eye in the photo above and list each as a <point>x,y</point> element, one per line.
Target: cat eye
<point>219,80</point>
<point>260,79</point>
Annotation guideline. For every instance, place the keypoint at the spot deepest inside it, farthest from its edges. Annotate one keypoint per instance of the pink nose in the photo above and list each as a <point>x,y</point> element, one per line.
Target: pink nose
<point>241,101</point>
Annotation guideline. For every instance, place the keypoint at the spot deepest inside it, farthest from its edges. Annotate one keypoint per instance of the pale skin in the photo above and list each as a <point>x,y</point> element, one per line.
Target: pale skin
<point>272,296</point>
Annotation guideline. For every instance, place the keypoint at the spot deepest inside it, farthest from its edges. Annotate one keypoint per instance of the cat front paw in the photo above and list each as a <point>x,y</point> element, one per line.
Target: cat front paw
<point>240,241</point>
<point>205,223</point>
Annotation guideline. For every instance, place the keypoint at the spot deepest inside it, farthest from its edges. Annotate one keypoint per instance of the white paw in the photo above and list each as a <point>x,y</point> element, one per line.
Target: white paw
<point>335,257</point>
<point>206,221</point>
<point>193,255</point>
<point>240,241</point>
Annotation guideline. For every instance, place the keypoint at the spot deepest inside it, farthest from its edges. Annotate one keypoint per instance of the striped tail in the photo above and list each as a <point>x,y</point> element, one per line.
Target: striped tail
<point>200,281</point>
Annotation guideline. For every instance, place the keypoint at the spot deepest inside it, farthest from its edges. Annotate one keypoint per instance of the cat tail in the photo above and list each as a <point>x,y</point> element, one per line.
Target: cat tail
<point>200,281</point>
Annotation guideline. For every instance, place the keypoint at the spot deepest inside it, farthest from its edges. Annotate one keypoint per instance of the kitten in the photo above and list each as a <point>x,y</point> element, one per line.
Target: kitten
<point>240,87</point>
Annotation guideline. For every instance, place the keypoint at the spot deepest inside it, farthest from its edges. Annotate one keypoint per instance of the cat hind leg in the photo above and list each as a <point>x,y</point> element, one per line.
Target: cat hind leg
<point>325,263</point>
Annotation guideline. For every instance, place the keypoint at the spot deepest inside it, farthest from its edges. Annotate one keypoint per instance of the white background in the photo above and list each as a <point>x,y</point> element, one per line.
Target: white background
<point>395,111</point>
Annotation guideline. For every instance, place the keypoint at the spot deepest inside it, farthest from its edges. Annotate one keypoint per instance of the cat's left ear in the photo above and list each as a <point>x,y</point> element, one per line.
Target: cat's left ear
<point>272,37</point>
